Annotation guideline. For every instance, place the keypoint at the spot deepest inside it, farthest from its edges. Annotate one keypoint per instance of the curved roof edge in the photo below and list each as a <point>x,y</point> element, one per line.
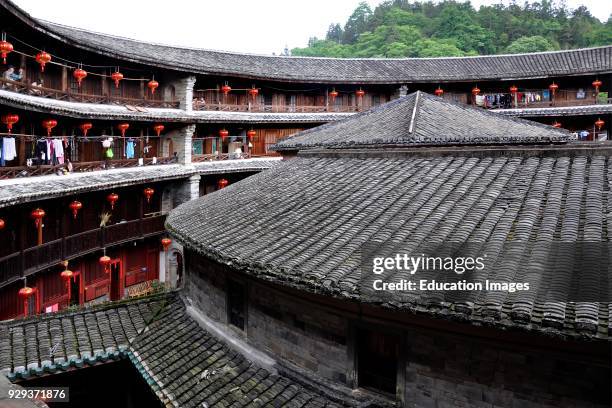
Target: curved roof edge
<point>596,60</point>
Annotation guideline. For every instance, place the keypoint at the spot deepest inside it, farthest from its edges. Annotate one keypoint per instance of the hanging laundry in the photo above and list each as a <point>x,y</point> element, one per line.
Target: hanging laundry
<point>129,149</point>
<point>9,151</point>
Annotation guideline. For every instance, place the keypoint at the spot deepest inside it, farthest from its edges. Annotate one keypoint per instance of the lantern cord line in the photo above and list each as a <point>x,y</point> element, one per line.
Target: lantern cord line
<point>77,65</point>
<point>66,60</point>
<point>82,138</point>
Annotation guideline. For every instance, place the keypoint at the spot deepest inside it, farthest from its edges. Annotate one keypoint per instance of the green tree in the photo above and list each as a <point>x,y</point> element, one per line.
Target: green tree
<point>357,23</point>
<point>529,44</point>
<point>334,33</point>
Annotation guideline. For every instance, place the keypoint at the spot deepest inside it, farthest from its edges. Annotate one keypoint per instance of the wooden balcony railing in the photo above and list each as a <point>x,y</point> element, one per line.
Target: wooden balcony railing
<point>77,167</point>
<point>258,108</point>
<point>31,260</point>
<point>24,88</point>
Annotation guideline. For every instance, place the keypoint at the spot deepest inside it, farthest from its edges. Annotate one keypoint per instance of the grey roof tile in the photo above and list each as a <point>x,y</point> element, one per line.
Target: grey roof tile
<point>305,222</point>
<point>420,119</point>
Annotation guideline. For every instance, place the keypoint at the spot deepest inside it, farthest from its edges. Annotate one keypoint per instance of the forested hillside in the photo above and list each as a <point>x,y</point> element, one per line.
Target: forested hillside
<point>402,28</point>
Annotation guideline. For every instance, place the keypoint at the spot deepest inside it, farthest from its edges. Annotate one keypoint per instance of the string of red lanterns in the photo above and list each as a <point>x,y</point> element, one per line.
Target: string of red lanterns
<point>475,90</point>
<point>513,89</point>
<point>251,134</point>
<point>553,88</point>
<point>225,89</point>
<point>43,58</point>
<point>254,92</point>
<point>333,94</point>
<point>75,206</point>
<point>158,128</point>
<point>5,48</point>
<point>117,77</point>
<point>599,123</point>
<point>1,224</point>
<point>222,183</point>
<point>223,133</point>
<point>148,192</point>
<point>9,120</point>
<point>360,93</point>
<point>166,242</point>
<point>105,261</point>
<point>85,127</point>
<point>49,124</point>
<point>439,91</point>
<point>152,85</point>
<point>596,84</point>
<point>79,74</point>
<point>25,294</point>
<point>112,199</point>
<point>123,127</point>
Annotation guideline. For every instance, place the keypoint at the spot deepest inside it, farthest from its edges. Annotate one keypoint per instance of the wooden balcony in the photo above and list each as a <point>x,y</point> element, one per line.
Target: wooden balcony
<point>259,108</point>
<point>31,260</point>
<point>77,167</point>
<point>24,88</point>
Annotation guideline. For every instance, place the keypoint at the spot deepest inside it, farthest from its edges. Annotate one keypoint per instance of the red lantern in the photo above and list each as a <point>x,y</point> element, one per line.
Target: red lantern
<point>152,85</point>
<point>1,224</point>
<point>333,94</point>
<point>596,84</point>
<point>49,124</point>
<point>360,93</point>
<point>9,120</point>
<point>251,134</point>
<point>222,183</point>
<point>223,133</point>
<point>5,48</point>
<point>166,243</point>
<point>556,124</point>
<point>116,76</point>
<point>26,292</point>
<point>158,129</point>
<point>66,274</point>
<point>123,127</point>
<point>104,261</point>
<point>254,92</point>
<point>112,199</point>
<point>79,74</point>
<point>553,87</point>
<point>148,192</point>
<point>38,214</point>
<point>513,89</point>
<point>43,58</point>
<point>475,91</point>
<point>85,127</point>
<point>599,123</point>
<point>439,91</point>
<point>75,206</point>
<point>225,89</point>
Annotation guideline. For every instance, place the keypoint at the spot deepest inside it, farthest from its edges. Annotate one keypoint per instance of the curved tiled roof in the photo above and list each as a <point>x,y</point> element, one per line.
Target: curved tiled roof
<point>182,363</point>
<point>420,119</point>
<point>304,224</point>
<point>330,70</point>
<point>18,190</point>
<point>121,112</point>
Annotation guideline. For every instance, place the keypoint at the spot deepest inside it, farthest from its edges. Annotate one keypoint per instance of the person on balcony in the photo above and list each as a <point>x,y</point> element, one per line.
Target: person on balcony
<point>16,76</point>
<point>6,75</point>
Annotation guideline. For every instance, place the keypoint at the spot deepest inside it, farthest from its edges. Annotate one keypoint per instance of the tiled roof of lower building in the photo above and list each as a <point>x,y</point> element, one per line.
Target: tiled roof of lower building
<point>420,119</point>
<point>184,364</point>
<point>304,224</point>
<point>19,190</point>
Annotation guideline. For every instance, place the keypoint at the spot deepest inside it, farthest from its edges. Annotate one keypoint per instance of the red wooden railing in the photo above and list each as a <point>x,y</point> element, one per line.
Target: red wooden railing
<point>30,260</point>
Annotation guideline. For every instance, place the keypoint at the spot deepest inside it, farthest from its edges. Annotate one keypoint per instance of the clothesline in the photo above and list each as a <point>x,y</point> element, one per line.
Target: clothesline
<point>18,135</point>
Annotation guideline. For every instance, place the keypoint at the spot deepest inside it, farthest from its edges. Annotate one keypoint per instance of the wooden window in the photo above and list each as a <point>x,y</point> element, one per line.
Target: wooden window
<point>236,304</point>
<point>377,360</point>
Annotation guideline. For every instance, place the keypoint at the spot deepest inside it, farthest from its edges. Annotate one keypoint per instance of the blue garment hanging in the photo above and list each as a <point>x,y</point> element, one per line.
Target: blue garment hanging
<point>129,149</point>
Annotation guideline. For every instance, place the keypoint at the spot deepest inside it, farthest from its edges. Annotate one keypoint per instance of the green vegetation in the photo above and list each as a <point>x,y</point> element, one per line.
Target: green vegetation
<point>399,28</point>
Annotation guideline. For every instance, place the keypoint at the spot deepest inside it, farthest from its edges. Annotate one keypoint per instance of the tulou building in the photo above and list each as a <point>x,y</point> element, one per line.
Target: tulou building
<point>193,228</point>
